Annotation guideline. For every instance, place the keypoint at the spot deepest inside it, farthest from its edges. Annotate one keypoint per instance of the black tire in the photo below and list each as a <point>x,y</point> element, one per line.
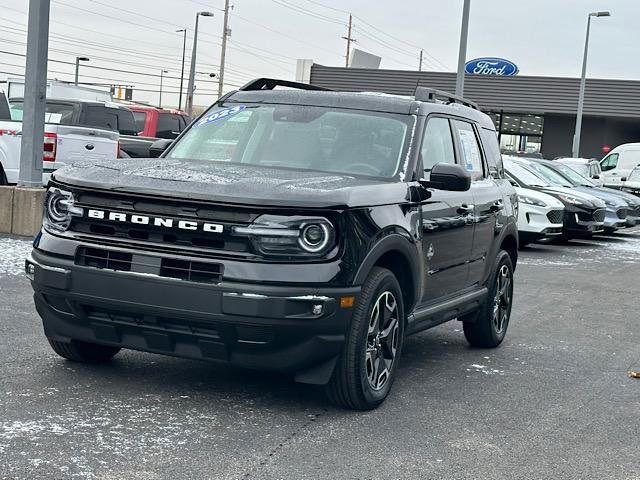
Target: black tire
<point>487,327</point>
<point>83,352</point>
<point>3,177</point>
<point>357,382</point>
<point>610,230</point>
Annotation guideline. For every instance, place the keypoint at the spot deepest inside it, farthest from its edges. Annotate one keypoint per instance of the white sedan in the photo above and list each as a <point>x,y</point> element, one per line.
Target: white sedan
<point>539,215</point>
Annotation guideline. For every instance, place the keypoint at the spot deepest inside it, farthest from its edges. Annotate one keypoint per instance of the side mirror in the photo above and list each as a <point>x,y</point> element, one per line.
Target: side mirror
<point>158,147</point>
<point>445,176</point>
<point>623,179</point>
<point>596,177</point>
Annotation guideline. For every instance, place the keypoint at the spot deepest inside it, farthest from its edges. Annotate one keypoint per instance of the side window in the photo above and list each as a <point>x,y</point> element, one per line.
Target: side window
<point>610,162</point>
<point>469,149</point>
<point>126,122</point>
<point>168,126</point>
<point>492,152</point>
<point>437,144</point>
<point>140,118</point>
<point>101,117</point>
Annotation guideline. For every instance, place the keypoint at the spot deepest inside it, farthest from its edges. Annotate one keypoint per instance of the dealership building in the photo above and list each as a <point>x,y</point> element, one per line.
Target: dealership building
<point>532,114</point>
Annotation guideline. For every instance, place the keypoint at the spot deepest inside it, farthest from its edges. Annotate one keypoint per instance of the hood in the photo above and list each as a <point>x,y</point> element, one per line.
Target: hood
<point>589,201</point>
<point>611,199</point>
<point>232,183</point>
<point>629,198</point>
<point>549,200</point>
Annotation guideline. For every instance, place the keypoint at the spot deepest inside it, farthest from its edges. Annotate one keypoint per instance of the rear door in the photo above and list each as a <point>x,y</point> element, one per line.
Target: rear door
<point>447,219</point>
<point>169,125</point>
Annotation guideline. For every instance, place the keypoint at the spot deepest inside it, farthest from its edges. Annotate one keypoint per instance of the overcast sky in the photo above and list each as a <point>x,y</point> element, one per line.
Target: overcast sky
<point>543,37</point>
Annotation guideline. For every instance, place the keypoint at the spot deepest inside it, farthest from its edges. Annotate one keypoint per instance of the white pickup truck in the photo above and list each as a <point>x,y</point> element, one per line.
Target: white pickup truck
<point>61,144</point>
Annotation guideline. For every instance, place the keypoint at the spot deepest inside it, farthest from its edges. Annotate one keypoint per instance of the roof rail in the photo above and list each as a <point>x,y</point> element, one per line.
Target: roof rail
<point>271,83</point>
<point>426,94</point>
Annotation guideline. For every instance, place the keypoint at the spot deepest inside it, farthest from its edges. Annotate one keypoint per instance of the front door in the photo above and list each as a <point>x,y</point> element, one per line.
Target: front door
<point>447,220</point>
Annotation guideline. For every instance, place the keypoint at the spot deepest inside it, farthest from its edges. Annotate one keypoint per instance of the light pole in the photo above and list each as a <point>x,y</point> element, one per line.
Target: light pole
<point>575,151</point>
<point>192,72</point>
<point>162,72</point>
<point>223,52</point>
<point>184,48</point>
<point>462,53</point>
<point>78,60</point>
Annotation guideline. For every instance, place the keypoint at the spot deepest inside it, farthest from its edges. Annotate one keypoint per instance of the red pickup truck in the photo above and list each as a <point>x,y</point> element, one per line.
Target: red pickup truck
<point>159,122</point>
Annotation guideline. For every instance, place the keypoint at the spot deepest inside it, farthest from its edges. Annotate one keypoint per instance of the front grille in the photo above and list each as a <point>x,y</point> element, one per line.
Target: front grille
<point>160,237</point>
<point>598,215</point>
<point>555,216</point>
<point>181,269</point>
<point>622,213</point>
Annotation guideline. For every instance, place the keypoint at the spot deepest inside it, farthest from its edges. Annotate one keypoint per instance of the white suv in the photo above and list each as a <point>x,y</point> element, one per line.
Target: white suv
<point>539,215</point>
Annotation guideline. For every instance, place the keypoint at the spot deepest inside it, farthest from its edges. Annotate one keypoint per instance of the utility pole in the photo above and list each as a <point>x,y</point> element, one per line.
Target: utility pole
<point>162,72</point>
<point>462,54</point>
<point>78,60</point>
<point>420,66</point>
<point>349,39</point>
<point>35,94</point>
<point>184,48</point>
<point>225,34</point>
<point>192,72</point>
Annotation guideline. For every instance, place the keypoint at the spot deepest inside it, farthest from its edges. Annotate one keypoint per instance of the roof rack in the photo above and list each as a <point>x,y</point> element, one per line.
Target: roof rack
<point>271,83</point>
<point>426,94</point>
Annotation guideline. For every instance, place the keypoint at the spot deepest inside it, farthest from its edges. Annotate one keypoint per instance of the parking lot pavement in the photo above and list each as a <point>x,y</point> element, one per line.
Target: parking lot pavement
<point>553,402</point>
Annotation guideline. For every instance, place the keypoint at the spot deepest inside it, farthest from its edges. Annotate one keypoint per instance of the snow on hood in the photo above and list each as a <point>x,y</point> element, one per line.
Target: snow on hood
<point>232,183</point>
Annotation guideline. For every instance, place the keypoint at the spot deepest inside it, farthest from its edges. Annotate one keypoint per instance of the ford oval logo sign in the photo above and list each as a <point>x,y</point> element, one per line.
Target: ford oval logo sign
<point>491,66</point>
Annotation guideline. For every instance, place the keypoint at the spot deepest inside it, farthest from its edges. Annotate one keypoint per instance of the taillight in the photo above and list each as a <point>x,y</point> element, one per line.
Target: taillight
<point>49,148</point>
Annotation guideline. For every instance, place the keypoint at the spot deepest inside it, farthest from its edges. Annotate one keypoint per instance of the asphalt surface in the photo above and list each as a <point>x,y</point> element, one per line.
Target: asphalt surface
<point>554,402</point>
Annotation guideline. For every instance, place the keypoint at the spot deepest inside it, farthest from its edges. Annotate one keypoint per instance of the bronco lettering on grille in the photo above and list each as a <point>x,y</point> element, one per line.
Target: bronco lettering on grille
<point>155,221</point>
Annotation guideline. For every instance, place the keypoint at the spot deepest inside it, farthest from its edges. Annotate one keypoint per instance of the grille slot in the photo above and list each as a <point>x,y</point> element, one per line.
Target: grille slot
<point>191,271</point>
<point>555,216</point>
<point>598,215</point>
<point>188,270</point>
<point>622,213</point>
<point>105,259</point>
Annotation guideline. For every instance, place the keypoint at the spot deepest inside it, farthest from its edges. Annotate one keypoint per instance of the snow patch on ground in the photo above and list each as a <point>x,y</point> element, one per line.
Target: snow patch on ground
<point>13,252</point>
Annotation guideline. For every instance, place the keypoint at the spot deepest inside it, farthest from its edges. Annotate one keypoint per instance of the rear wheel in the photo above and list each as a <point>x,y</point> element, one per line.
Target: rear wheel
<point>3,177</point>
<point>83,352</point>
<point>366,369</point>
<point>488,327</point>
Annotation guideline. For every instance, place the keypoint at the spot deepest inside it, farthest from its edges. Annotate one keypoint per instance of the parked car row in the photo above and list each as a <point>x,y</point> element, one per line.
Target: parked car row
<point>81,129</point>
<point>556,201</point>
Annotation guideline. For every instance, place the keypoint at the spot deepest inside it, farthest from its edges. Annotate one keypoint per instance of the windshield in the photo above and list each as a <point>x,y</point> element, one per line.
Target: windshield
<point>575,177</point>
<point>524,175</point>
<point>581,168</point>
<point>554,178</point>
<point>302,137</point>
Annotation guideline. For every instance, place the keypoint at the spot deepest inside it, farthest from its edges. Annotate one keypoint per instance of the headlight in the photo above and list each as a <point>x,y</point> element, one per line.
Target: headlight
<point>59,208</point>
<point>531,201</point>
<point>275,235</point>
<point>570,199</point>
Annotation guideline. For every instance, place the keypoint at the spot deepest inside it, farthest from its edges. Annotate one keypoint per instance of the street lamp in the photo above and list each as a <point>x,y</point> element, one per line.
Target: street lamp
<point>575,151</point>
<point>192,71</point>
<point>78,60</point>
<point>184,48</point>
<point>462,50</point>
<point>162,72</point>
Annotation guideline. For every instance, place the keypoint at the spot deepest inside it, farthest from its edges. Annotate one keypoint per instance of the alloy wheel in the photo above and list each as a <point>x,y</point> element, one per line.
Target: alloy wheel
<point>502,300</point>
<point>382,340</point>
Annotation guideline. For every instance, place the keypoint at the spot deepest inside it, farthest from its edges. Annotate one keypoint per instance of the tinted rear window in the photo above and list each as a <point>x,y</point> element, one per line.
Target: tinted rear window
<point>169,125</point>
<point>115,119</point>
<point>140,118</point>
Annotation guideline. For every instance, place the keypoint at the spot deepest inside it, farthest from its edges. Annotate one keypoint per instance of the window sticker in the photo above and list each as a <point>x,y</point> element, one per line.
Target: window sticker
<point>219,115</point>
<point>470,151</point>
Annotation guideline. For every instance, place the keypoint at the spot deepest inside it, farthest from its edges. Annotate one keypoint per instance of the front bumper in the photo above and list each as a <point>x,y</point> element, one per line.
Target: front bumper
<point>288,329</point>
<point>615,217</point>
<point>581,221</point>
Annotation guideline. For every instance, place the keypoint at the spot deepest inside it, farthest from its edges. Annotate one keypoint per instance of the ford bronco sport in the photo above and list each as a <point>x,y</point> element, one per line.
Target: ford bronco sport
<point>297,230</point>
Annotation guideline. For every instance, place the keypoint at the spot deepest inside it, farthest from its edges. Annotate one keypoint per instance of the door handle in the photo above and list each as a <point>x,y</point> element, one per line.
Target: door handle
<point>496,206</point>
<point>465,209</point>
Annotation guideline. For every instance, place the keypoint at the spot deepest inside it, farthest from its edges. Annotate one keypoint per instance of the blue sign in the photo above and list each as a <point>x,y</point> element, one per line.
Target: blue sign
<point>491,66</point>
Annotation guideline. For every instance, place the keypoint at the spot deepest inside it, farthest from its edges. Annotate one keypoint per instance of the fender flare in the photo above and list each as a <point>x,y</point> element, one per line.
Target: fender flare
<point>402,244</point>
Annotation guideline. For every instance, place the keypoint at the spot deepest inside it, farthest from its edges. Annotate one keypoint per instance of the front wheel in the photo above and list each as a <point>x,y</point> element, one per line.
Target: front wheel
<point>366,369</point>
<point>83,352</point>
<point>488,327</point>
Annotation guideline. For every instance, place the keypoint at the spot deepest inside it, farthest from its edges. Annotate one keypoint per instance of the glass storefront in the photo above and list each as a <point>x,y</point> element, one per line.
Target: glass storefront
<point>518,132</point>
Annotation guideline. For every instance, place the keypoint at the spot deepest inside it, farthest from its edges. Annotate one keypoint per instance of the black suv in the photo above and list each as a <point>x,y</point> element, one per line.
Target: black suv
<point>296,230</point>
